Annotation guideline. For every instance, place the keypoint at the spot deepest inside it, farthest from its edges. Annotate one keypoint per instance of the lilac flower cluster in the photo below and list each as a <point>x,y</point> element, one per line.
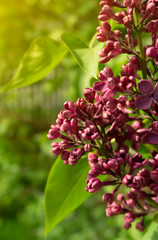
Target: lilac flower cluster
<point>118,116</point>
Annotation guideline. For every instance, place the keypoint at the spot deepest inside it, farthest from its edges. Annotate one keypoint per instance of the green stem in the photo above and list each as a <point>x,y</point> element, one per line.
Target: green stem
<point>102,149</point>
<point>141,48</point>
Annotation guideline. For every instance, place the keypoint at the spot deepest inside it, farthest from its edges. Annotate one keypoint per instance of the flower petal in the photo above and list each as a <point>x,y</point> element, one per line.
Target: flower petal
<point>100,86</point>
<point>155,126</point>
<point>155,93</point>
<point>143,102</point>
<point>145,86</point>
<point>156,60</point>
<point>151,138</point>
<point>156,45</point>
<point>107,94</point>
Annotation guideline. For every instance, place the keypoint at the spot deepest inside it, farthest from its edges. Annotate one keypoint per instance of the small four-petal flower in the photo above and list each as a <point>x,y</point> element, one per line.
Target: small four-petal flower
<point>149,93</point>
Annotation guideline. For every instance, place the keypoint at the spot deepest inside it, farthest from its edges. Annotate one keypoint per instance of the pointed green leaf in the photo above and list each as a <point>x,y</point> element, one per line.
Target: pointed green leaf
<point>43,55</point>
<point>65,190</point>
<point>86,57</point>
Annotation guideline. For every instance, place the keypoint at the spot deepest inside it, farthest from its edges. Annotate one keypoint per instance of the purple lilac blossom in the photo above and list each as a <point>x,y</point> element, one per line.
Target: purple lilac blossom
<point>149,93</point>
<point>107,120</point>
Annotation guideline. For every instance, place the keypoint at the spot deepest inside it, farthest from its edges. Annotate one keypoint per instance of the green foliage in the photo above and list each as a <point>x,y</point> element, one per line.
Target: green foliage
<point>43,55</point>
<point>151,233</point>
<point>65,191</point>
<point>86,57</point>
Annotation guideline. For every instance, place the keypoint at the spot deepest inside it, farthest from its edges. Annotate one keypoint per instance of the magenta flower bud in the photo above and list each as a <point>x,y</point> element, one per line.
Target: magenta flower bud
<point>150,6</point>
<point>152,52</point>
<point>131,193</point>
<point>118,34</point>
<point>110,45</point>
<point>111,104</point>
<point>119,17</point>
<point>81,103</point>
<point>139,181</point>
<point>89,94</point>
<point>94,185</point>
<point>90,108</point>
<point>64,144</point>
<point>53,133</point>
<point>107,12</point>
<point>102,54</point>
<point>130,68</point>
<point>154,187</point>
<point>116,208</point>
<point>56,149</point>
<point>87,147</point>
<point>104,59</point>
<point>141,195</point>
<point>103,17</point>
<point>137,161</point>
<point>128,180</point>
<point>92,158</point>
<point>127,20</point>
<point>152,26</point>
<point>108,197</point>
<point>113,164</point>
<point>144,173</point>
<point>69,105</point>
<point>75,155</point>
<point>55,144</point>
<point>129,217</point>
<point>154,175</point>
<point>117,45</point>
<point>126,225</point>
<point>105,73</point>
<point>74,122</point>
<point>153,163</point>
<point>59,121</point>
<point>105,2</point>
<point>95,136</point>
<point>66,114</point>
<point>101,38</point>
<point>65,127</point>
<point>132,3</point>
<point>109,212</point>
<point>65,155</point>
<point>120,197</point>
<point>114,53</point>
<point>106,26</point>
<point>140,225</point>
<point>130,203</point>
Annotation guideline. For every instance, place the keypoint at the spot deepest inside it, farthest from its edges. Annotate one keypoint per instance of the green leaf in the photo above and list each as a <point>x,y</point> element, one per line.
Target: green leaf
<point>43,55</point>
<point>152,232</point>
<point>155,218</point>
<point>86,57</point>
<point>65,190</point>
<point>116,63</point>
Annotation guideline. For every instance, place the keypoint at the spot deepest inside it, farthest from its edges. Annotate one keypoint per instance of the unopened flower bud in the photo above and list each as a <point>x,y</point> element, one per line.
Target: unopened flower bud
<point>92,158</point>
<point>108,197</point>
<point>128,180</point>
<point>129,217</point>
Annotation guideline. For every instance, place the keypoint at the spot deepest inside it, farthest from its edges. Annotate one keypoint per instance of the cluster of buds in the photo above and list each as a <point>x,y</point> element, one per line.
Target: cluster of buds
<point>118,116</point>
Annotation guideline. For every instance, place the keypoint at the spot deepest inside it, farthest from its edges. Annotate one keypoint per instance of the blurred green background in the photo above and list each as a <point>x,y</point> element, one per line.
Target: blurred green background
<point>26,115</point>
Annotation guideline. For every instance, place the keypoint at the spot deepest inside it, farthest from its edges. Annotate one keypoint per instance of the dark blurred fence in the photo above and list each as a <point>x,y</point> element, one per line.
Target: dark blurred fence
<point>33,104</point>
